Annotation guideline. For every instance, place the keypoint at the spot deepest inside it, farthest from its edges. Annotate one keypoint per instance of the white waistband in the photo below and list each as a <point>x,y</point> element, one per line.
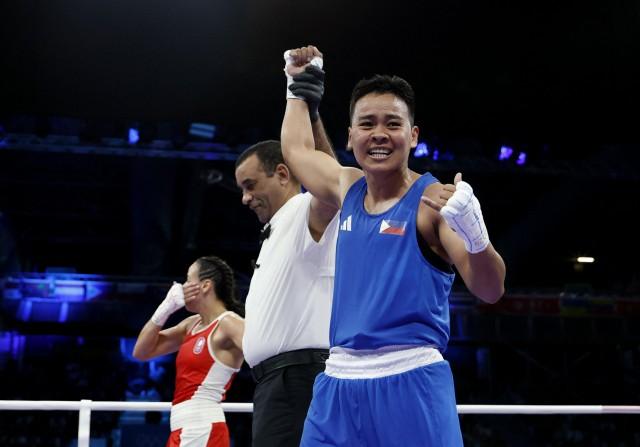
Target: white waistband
<point>369,364</point>
<point>195,413</point>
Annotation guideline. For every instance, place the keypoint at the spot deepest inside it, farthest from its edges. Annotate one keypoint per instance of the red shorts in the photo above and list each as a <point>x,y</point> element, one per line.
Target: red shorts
<point>216,435</point>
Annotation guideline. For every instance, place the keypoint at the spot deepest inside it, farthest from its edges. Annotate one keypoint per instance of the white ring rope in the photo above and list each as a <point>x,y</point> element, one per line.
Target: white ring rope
<point>86,406</point>
<point>548,409</point>
<point>239,407</point>
<point>230,407</point>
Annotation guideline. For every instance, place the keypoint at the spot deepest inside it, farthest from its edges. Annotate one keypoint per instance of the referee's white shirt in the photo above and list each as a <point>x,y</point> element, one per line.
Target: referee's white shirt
<point>288,306</point>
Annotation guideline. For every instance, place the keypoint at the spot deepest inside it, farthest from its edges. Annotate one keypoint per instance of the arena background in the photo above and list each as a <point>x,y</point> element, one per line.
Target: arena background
<point>120,123</point>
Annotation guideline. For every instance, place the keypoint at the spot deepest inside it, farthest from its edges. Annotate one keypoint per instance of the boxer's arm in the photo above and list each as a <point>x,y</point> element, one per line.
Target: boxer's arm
<point>153,341</point>
<point>321,174</point>
<point>463,235</point>
<point>309,86</point>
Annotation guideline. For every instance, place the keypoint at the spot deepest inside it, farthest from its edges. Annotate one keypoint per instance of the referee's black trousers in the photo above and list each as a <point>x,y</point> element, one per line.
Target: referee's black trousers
<point>280,405</point>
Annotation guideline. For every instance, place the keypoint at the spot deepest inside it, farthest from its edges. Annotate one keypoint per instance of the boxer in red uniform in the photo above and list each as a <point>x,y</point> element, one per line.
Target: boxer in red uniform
<point>209,346</point>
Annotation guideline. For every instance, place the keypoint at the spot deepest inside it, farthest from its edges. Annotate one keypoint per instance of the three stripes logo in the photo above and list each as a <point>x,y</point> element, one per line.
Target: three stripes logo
<point>346,224</point>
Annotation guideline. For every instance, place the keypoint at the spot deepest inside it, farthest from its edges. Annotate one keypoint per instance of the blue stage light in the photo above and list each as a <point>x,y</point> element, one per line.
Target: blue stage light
<point>422,150</point>
<point>203,130</point>
<point>134,135</point>
<point>522,158</point>
<point>505,153</point>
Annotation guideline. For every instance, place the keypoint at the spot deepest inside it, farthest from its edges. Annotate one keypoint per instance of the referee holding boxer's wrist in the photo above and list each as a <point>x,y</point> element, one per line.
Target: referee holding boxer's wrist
<point>288,306</point>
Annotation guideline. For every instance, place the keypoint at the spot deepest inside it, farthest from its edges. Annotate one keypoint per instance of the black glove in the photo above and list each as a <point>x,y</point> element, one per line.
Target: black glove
<point>309,85</point>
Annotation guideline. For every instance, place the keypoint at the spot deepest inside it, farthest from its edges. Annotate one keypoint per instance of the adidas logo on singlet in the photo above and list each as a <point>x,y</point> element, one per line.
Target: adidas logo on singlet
<point>346,224</point>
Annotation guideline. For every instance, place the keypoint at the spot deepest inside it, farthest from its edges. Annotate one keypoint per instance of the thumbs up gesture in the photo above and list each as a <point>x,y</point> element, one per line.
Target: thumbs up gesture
<point>461,210</point>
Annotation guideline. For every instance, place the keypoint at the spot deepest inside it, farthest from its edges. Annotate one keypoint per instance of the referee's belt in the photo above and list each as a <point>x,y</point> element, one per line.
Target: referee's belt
<point>291,358</point>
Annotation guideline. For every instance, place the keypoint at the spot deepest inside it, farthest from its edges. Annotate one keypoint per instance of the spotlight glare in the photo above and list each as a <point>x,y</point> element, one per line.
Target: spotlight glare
<point>422,150</point>
<point>505,153</point>
<point>522,158</point>
<point>134,135</point>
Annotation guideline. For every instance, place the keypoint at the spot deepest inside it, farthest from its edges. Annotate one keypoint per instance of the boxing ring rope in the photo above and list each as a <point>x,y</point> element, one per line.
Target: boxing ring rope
<point>84,407</point>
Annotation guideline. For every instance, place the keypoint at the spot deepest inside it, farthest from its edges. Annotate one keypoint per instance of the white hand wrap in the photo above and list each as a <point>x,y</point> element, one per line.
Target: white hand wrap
<point>462,212</point>
<point>288,60</point>
<point>172,302</point>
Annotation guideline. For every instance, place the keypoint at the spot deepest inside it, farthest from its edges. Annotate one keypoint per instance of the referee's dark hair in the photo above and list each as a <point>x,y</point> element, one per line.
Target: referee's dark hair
<point>269,153</point>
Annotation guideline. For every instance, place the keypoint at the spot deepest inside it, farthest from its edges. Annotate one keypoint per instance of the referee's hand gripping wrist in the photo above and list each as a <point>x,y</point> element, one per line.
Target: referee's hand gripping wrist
<point>309,85</point>
<point>295,62</point>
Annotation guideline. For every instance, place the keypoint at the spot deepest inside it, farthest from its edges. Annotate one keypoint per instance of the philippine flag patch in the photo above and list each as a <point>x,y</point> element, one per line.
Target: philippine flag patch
<point>395,227</point>
<point>197,348</point>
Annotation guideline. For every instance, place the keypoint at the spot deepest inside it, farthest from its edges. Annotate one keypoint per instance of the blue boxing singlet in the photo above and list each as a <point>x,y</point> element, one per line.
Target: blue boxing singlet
<point>386,293</point>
